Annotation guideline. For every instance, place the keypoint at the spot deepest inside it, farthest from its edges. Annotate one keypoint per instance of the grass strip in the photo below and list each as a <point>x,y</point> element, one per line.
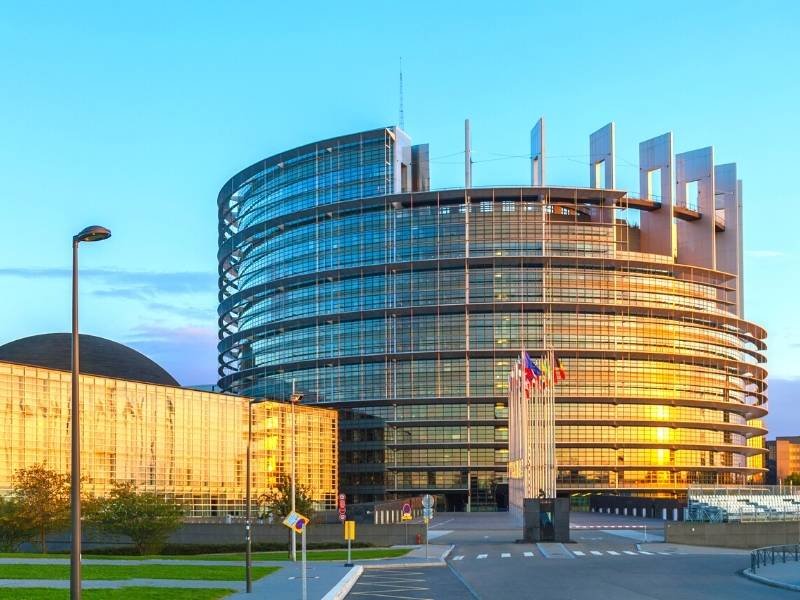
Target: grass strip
<point>117,572</point>
<point>338,554</point>
<point>131,593</point>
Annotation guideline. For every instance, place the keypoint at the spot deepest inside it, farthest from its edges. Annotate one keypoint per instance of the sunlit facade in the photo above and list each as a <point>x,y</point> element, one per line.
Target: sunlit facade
<point>183,444</point>
<point>405,308</point>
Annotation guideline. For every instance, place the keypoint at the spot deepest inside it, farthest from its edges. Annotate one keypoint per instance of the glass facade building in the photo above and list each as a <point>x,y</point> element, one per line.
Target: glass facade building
<point>405,308</point>
<point>183,444</point>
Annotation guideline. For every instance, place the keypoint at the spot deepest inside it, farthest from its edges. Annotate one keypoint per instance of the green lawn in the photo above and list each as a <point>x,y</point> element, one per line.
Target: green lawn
<point>131,593</point>
<point>338,554</point>
<point>221,573</point>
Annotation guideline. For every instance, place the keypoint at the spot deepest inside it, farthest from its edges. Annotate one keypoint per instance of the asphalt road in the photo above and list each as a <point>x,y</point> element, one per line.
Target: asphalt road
<point>429,583</point>
<point>604,560</point>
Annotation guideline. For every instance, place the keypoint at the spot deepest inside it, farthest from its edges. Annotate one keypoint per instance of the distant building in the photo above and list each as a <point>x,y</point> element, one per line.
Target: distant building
<point>184,444</point>
<point>405,308</point>
<point>784,457</point>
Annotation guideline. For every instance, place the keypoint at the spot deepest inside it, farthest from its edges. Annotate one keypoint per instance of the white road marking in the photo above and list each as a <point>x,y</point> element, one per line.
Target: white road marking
<point>459,557</point>
<point>578,553</point>
<point>612,552</point>
<point>528,554</point>
<point>645,552</point>
<point>480,556</point>
<point>505,555</point>
<point>596,552</point>
<point>440,523</point>
<point>664,553</point>
<point>629,552</point>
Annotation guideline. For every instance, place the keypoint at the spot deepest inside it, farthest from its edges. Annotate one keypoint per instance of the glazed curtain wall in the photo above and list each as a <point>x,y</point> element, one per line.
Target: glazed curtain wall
<point>185,444</point>
<point>408,311</point>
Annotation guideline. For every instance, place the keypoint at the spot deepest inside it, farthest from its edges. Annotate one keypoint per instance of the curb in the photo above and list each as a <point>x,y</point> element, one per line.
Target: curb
<point>773,582</point>
<point>407,565</point>
<point>346,583</point>
<point>434,562</point>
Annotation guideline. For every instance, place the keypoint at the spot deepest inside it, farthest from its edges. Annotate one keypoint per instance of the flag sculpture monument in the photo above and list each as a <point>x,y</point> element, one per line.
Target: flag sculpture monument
<point>532,449</point>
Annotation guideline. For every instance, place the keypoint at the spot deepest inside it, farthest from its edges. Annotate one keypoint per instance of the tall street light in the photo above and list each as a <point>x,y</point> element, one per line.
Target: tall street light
<point>295,398</point>
<point>248,526</point>
<point>93,233</point>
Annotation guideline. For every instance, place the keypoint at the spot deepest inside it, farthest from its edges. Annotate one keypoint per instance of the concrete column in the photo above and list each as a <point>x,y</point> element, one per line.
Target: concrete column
<point>656,226</point>
<point>634,511</point>
<point>663,514</point>
<point>674,514</point>
<point>696,239</point>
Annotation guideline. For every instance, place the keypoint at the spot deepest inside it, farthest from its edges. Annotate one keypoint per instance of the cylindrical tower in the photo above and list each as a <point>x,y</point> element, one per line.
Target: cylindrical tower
<point>406,310</point>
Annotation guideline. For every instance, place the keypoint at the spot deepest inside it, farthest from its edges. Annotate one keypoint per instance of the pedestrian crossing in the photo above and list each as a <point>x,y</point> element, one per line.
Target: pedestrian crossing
<point>574,553</point>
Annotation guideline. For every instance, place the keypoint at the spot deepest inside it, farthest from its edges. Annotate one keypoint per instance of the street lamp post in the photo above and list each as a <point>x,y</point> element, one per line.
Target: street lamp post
<point>295,398</point>
<point>93,233</point>
<point>247,525</point>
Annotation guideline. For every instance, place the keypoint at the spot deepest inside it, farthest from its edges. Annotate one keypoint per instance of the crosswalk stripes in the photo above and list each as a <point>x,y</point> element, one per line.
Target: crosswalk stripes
<point>575,554</point>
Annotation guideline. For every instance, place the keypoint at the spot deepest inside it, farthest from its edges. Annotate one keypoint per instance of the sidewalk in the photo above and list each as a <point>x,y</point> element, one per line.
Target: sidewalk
<point>437,554</point>
<point>687,549</point>
<point>287,583</point>
<point>784,575</point>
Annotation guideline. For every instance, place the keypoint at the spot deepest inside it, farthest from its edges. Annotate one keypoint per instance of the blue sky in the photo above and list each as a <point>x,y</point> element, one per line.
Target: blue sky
<point>134,115</point>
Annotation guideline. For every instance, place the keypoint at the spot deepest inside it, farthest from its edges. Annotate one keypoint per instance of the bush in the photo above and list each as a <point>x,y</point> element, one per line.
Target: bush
<point>144,517</point>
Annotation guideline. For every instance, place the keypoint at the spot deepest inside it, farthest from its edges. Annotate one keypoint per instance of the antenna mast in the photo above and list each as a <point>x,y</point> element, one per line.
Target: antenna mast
<point>402,116</point>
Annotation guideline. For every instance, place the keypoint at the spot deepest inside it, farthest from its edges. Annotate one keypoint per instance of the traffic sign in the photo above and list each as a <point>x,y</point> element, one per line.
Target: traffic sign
<point>342,507</point>
<point>427,513</point>
<point>428,501</point>
<point>349,530</point>
<point>406,516</point>
<point>296,521</point>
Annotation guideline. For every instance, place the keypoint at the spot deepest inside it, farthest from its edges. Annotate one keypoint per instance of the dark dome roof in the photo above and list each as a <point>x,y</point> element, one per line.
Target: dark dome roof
<point>99,356</point>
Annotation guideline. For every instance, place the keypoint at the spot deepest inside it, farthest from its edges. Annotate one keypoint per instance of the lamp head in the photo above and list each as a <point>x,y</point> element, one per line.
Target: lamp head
<point>296,397</point>
<point>93,233</point>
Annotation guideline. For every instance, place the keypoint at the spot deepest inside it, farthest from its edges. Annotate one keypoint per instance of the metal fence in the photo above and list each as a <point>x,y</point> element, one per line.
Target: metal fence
<point>769,555</point>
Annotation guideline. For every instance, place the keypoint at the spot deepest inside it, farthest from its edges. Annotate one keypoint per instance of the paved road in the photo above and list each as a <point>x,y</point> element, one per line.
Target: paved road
<point>430,583</point>
<point>607,558</point>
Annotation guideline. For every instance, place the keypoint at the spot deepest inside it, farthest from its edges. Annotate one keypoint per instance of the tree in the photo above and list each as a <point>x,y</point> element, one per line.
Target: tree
<point>146,518</point>
<point>43,498</point>
<point>15,528</point>
<point>277,502</point>
<point>793,479</point>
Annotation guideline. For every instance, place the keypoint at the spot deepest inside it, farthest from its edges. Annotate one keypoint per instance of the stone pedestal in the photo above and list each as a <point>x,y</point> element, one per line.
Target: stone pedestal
<point>545,520</point>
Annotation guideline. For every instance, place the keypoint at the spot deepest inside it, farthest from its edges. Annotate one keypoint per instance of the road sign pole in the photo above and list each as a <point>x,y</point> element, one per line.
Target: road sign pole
<point>305,584</point>
<point>426,539</point>
<point>349,558</point>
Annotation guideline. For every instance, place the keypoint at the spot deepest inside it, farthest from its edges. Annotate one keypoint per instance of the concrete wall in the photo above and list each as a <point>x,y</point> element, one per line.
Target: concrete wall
<point>218,533</point>
<point>221,533</point>
<point>733,535</point>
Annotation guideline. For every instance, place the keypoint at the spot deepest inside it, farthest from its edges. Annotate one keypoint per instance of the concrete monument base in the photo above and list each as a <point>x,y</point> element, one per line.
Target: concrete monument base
<point>545,520</point>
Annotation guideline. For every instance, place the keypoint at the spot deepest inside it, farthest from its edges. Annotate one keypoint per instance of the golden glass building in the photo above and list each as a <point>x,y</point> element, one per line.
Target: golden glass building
<point>405,308</point>
<point>181,443</point>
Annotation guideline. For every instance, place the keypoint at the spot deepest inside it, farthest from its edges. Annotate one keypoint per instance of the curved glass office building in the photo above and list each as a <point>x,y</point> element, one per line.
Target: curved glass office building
<point>405,309</point>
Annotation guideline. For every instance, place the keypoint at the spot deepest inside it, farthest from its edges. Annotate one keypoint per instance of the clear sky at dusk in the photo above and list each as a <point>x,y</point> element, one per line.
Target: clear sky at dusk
<point>134,116</point>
